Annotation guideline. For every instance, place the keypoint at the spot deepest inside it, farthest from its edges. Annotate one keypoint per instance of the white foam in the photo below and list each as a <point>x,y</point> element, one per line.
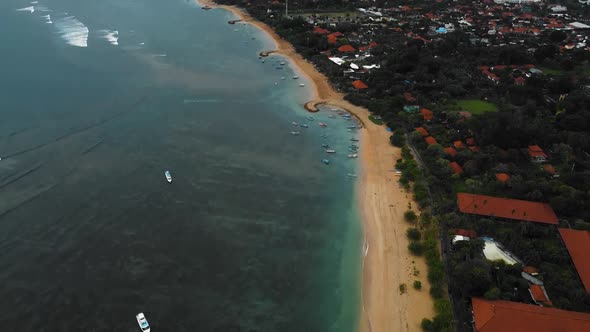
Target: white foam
<point>34,2</point>
<point>160,55</point>
<point>42,9</point>
<point>112,36</point>
<point>30,9</point>
<point>73,31</point>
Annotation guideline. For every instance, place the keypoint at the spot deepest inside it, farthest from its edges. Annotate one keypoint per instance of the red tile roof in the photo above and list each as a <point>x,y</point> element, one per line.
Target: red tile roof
<point>465,232</point>
<point>549,169</point>
<point>474,148</point>
<point>457,169</point>
<point>506,208</point>
<point>502,177</point>
<point>578,245</point>
<point>332,39</point>
<point>538,294</point>
<point>346,48</point>
<point>426,113</point>
<point>430,140</point>
<point>320,31</point>
<point>358,84</point>
<point>451,151</point>
<point>409,98</point>
<point>458,144</point>
<point>495,316</point>
<point>470,141</point>
<point>422,131</point>
<point>519,81</point>
<point>536,151</point>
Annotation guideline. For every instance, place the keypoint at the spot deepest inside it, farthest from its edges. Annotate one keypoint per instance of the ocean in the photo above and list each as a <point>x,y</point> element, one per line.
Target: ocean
<point>97,100</point>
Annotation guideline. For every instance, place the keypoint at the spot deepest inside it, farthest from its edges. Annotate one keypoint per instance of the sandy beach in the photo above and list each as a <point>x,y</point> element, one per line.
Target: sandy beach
<point>387,262</point>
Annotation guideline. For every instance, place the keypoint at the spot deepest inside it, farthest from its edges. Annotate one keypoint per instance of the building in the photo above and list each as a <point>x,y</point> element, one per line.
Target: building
<point>457,169</point>
<point>506,208</point>
<point>359,85</point>
<point>537,154</point>
<point>578,245</point>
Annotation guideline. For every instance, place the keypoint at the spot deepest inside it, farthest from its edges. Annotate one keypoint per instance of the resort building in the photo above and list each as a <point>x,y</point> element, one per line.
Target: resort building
<point>494,316</point>
<point>578,245</point>
<point>506,208</point>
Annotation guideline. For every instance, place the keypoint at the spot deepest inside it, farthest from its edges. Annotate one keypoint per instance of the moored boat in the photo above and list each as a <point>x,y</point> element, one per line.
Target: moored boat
<point>326,161</point>
<point>301,84</point>
<point>294,123</point>
<point>323,125</point>
<point>351,175</point>
<point>295,77</point>
<point>353,155</point>
<point>310,118</point>
<point>330,151</point>
<point>168,176</point>
<point>303,125</point>
<point>325,146</point>
<point>354,139</point>
<point>295,133</point>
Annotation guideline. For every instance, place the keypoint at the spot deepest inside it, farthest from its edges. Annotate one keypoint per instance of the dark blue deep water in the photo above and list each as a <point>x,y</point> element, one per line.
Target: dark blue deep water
<point>97,100</point>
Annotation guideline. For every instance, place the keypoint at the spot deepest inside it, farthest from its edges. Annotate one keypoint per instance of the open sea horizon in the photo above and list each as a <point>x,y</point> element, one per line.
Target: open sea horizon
<point>98,100</point>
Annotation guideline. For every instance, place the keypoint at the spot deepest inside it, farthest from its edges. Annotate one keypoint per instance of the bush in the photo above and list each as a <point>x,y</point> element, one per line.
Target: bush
<point>416,248</point>
<point>413,234</point>
<point>492,294</point>
<point>402,288</point>
<point>410,216</point>
<point>417,284</point>
<point>427,325</point>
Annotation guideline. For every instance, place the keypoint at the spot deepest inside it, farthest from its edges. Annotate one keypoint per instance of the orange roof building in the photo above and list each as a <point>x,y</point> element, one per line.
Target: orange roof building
<point>451,151</point>
<point>578,245</point>
<point>458,144</point>
<point>537,154</point>
<point>427,114</point>
<point>359,85</point>
<point>422,131</point>
<point>346,49</point>
<point>430,140</point>
<point>549,169</point>
<point>506,208</point>
<point>494,316</point>
<point>457,169</point>
<point>502,177</point>
<point>320,31</point>
<point>539,295</point>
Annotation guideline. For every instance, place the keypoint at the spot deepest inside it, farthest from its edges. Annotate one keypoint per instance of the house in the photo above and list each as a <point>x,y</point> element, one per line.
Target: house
<point>346,49</point>
<point>536,153</point>
<point>457,169</point>
<point>549,169</point>
<point>458,145</point>
<point>519,80</point>
<point>430,140</point>
<point>502,177</point>
<point>359,85</point>
<point>494,316</point>
<point>463,235</point>
<point>450,151</point>
<point>422,131</point>
<point>539,295</point>
<point>320,31</point>
<point>426,114</point>
<point>514,209</point>
<point>578,246</point>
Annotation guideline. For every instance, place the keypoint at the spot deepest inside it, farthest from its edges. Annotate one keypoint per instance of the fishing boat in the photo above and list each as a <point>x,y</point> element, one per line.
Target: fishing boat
<point>143,323</point>
<point>282,63</point>
<point>351,127</point>
<point>310,118</point>
<point>294,123</point>
<point>353,155</point>
<point>353,150</point>
<point>354,146</point>
<point>301,84</point>
<point>295,133</point>
<point>351,175</point>
<point>168,176</point>
<point>331,116</point>
<point>325,146</point>
<point>295,77</point>
<point>262,61</point>
<point>354,139</point>
<point>323,125</point>
<point>326,161</point>
<point>282,78</point>
<point>303,125</point>
<point>330,151</point>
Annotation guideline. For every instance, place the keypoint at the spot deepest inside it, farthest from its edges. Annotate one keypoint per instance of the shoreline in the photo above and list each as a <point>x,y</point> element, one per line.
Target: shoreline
<point>386,261</point>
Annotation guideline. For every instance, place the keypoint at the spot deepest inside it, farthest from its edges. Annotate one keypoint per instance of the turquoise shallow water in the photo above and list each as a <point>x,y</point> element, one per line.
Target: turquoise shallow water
<point>98,99</point>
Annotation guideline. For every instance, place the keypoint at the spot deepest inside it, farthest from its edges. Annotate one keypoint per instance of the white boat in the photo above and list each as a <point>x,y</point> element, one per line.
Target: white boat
<point>323,125</point>
<point>301,84</point>
<point>353,155</point>
<point>143,323</point>
<point>303,125</point>
<point>330,151</point>
<point>295,77</point>
<point>294,123</point>
<point>351,175</point>
<point>168,176</point>
<point>295,133</point>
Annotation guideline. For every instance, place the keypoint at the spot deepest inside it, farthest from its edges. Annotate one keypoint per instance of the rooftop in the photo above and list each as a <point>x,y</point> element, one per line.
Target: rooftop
<point>506,208</point>
<point>493,316</point>
<point>578,245</point>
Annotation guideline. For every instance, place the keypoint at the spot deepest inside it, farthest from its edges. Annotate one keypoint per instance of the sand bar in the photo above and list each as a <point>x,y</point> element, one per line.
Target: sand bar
<point>387,262</point>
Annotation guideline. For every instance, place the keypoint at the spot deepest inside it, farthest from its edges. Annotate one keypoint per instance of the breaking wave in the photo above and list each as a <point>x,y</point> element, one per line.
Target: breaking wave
<point>72,31</point>
<point>112,36</point>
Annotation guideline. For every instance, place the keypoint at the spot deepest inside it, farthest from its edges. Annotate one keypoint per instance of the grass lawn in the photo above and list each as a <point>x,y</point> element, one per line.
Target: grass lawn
<point>375,121</point>
<point>550,71</point>
<point>476,106</point>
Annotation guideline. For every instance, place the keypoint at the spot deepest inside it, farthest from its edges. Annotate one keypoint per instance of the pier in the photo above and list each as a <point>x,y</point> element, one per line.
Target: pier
<point>234,21</point>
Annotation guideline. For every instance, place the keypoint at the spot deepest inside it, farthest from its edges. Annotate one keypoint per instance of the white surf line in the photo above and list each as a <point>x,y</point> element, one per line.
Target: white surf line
<point>30,9</point>
<point>72,31</point>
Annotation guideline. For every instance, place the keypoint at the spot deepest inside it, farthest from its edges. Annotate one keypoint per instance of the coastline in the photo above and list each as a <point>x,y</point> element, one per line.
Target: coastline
<point>387,263</point>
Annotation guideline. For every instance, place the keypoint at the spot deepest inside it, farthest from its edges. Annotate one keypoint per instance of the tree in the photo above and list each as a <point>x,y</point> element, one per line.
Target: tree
<point>416,248</point>
<point>492,294</point>
<point>398,138</point>
<point>417,285</point>
<point>410,216</point>
<point>413,234</point>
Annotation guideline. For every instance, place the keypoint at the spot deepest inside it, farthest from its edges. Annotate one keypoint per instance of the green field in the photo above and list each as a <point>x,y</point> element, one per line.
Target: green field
<point>375,121</point>
<point>475,106</point>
